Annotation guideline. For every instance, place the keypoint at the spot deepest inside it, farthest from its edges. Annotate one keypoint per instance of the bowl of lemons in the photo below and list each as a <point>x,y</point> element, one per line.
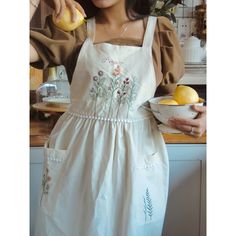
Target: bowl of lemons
<point>177,105</point>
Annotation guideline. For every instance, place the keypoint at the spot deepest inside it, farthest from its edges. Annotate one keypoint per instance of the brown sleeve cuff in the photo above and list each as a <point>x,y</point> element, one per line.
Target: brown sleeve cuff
<point>163,90</point>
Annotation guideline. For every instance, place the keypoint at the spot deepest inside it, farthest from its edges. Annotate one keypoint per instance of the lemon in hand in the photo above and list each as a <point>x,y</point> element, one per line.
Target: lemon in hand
<point>185,95</point>
<point>65,23</point>
<point>168,101</point>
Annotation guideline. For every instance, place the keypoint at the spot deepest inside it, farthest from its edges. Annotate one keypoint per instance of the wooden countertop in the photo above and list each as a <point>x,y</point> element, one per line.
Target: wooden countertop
<point>40,130</point>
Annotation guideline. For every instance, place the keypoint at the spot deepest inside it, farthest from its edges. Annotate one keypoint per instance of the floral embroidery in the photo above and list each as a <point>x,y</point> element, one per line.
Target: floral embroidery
<point>117,71</point>
<point>114,90</point>
<point>148,208</point>
<point>45,183</point>
<point>99,89</point>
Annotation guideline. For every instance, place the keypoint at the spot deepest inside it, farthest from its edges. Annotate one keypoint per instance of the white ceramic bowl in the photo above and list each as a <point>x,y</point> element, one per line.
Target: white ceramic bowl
<point>163,112</point>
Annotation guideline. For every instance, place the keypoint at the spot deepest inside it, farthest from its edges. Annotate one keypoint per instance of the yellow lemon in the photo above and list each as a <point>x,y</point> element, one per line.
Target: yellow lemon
<point>185,95</point>
<point>168,101</point>
<point>65,23</point>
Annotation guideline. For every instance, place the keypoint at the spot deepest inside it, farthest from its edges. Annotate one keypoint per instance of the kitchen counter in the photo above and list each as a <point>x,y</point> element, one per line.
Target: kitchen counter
<point>40,130</point>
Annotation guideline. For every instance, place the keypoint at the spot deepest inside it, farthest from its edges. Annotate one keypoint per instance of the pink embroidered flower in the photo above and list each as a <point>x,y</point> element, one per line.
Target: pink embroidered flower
<point>117,71</point>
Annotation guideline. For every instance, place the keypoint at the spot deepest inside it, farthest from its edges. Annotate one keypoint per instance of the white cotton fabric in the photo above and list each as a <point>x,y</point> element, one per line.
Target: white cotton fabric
<point>106,165</point>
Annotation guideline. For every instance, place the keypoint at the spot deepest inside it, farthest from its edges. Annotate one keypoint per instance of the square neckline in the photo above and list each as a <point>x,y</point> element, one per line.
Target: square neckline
<point>145,20</point>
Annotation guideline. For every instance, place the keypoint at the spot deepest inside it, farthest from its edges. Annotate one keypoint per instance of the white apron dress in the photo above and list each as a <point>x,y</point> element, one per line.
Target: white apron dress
<point>106,165</point>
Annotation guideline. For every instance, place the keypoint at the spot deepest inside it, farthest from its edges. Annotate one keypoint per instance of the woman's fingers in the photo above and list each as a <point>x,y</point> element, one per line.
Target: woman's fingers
<point>182,121</point>
<point>199,108</point>
<point>194,127</point>
<point>187,126</point>
<point>195,131</point>
<point>57,7</point>
<point>80,8</point>
<point>60,6</point>
<point>70,4</point>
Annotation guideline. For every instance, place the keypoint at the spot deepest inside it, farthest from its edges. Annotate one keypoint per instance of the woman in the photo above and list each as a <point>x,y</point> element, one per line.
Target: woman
<point>106,165</point>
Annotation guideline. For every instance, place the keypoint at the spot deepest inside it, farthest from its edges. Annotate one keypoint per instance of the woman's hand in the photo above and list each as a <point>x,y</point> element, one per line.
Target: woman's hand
<point>194,127</point>
<point>59,7</point>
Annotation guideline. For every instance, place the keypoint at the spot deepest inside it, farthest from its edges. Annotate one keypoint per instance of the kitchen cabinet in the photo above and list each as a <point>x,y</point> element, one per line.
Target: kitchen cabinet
<point>36,167</point>
<point>186,207</point>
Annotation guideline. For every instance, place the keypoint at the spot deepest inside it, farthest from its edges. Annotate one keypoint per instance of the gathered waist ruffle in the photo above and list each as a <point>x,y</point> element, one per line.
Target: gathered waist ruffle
<point>109,119</point>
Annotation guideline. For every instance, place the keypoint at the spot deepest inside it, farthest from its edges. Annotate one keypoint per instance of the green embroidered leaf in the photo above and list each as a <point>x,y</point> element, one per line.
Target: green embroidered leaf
<point>45,184</point>
<point>149,204</point>
<point>145,208</point>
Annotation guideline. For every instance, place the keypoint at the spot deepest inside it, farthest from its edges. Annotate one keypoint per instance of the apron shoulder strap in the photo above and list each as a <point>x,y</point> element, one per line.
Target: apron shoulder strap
<point>149,32</point>
<point>91,28</point>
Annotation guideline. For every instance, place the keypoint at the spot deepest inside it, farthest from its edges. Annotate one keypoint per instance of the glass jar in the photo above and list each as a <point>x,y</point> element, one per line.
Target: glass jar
<point>55,91</point>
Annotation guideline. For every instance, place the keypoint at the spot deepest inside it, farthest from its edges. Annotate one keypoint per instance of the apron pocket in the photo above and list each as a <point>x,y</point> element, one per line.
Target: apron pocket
<point>52,171</point>
<point>150,189</point>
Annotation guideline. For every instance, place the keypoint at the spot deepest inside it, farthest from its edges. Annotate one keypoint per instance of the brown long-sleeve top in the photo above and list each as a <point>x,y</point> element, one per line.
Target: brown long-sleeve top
<point>57,47</point>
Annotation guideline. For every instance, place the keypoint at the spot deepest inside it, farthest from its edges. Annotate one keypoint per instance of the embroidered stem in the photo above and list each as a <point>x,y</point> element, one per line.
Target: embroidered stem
<point>131,97</point>
<point>145,208</point>
<point>45,184</point>
<point>114,83</point>
<point>95,110</point>
<point>148,208</point>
